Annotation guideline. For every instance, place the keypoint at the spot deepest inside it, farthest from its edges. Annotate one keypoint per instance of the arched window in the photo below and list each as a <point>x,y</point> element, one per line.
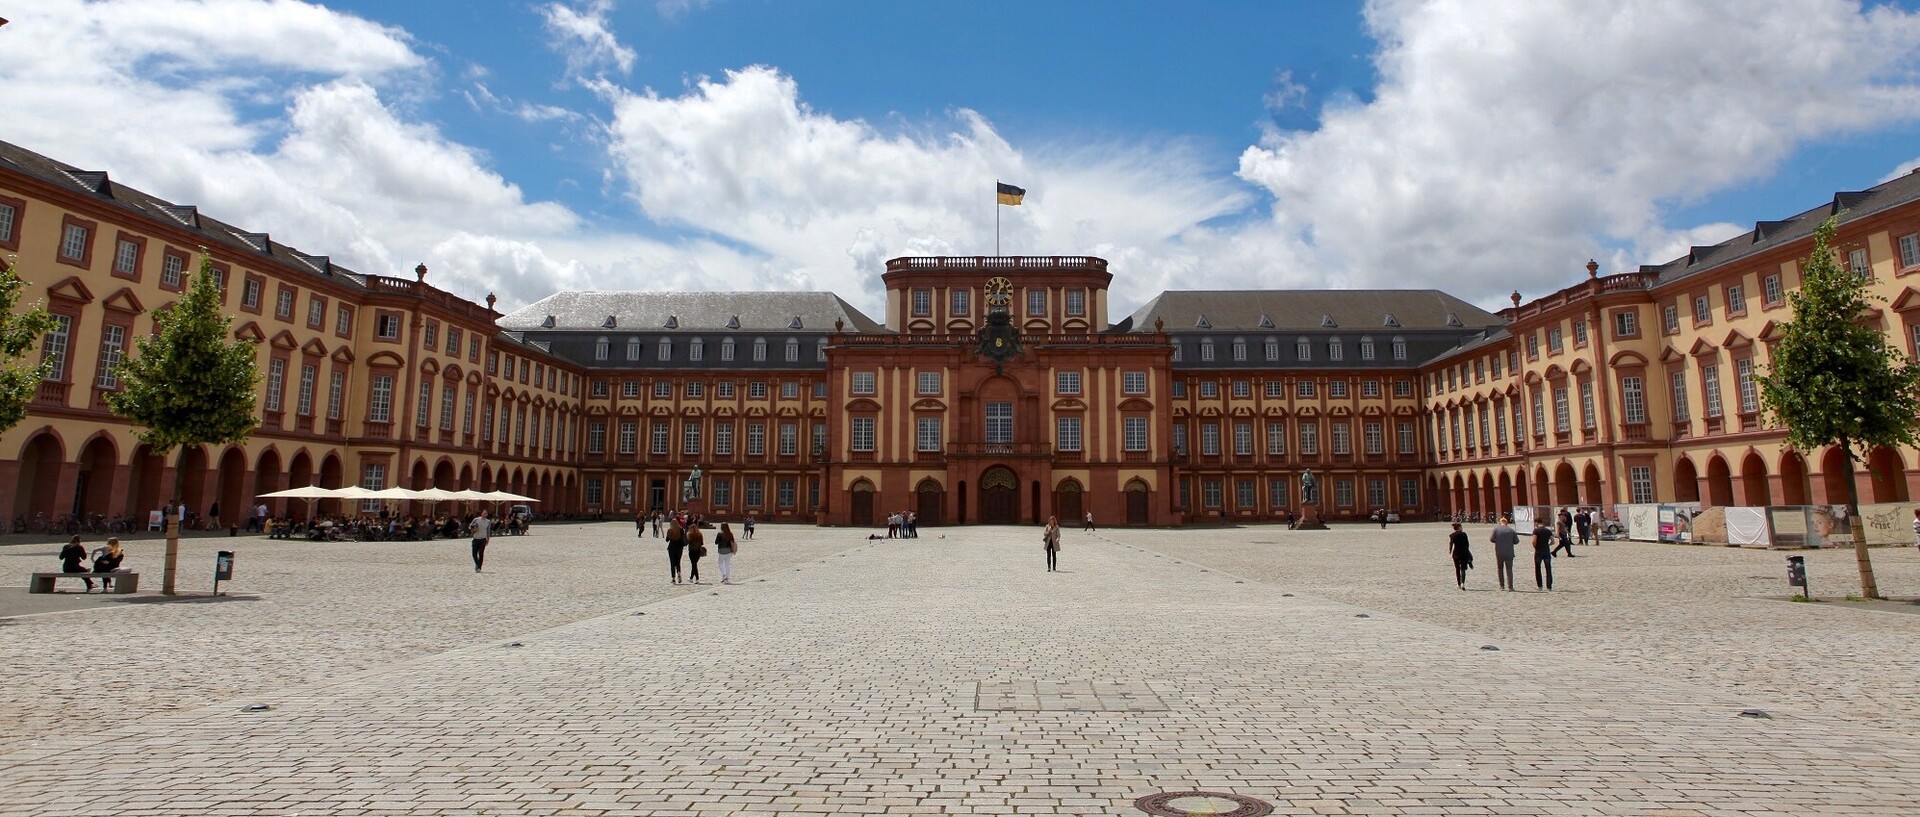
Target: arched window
<point>1239,348</point>
<point>600,348</point>
<point>1399,348</point>
<point>1366,347</point>
<point>633,348</point>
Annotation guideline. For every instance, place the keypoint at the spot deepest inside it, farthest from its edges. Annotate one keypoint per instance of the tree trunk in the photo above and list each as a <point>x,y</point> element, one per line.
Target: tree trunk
<point>1868,588</point>
<point>170,522</point>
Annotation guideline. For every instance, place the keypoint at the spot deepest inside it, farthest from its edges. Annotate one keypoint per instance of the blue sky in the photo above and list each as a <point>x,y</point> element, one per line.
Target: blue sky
<point>525,147</point>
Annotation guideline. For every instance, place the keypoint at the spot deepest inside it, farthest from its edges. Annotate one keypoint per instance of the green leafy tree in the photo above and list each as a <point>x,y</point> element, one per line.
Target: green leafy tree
<point>18,333</point>
<point>190,383</point>
<point>1835,380</point>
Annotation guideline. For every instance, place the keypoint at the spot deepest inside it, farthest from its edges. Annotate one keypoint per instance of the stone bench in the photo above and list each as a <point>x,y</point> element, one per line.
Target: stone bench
<point>122,582</point>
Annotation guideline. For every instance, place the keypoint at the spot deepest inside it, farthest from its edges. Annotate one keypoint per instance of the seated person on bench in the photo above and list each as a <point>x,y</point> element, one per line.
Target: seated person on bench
<point>107,561</point>
<point>71,557</point>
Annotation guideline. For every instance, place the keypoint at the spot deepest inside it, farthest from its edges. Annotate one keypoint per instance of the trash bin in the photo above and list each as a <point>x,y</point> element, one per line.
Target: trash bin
<point>1797,574</point>
<point>222,569</point>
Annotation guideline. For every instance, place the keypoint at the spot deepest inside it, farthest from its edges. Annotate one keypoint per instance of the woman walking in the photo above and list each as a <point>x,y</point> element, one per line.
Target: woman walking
<point>676,542</point>
<point>696,548</point>
<point>1050,539</point>
<point>1462,555</point>
<point>724,547</point>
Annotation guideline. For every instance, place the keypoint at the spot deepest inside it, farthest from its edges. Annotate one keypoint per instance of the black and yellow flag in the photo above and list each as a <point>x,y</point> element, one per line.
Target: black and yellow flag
<point>1010,194</point>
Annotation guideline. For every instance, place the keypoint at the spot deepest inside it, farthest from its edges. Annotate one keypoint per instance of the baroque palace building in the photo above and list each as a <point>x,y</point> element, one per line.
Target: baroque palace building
<point>993,389</point>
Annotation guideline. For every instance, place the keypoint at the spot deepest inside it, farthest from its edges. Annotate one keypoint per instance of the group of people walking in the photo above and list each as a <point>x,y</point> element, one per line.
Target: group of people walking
<point>686,539</point>
<point>1506,543</point>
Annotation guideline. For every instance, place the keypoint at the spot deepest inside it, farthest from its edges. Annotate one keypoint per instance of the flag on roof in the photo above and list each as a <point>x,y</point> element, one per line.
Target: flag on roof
<point>1010,194</point>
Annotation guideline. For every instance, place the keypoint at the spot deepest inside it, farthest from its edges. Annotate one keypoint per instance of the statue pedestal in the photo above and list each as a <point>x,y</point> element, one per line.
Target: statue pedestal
<point>1310,518</point>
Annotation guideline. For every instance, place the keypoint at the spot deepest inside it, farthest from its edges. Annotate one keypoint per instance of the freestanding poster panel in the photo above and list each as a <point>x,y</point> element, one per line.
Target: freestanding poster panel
<point>1748,527</point>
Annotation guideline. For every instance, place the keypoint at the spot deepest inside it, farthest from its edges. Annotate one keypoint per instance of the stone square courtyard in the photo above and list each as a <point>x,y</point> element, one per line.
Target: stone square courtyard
<point>1331,672</point>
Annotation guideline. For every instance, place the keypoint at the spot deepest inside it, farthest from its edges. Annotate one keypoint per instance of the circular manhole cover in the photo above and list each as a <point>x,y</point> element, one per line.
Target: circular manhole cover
<point>1196,803</point>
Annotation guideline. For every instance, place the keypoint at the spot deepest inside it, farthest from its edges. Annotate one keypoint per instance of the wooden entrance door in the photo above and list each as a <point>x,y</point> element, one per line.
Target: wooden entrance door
<point>927,510</point>
<point>999,497</point>
<point>1067,503</point>
<point>862,505</point>
<point>1136,503</point>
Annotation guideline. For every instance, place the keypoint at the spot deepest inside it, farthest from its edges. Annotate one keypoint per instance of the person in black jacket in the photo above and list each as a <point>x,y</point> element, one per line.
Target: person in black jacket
<point>71,557</point>
<point>1462,555</point>
<point>107,560</point>
<point>1542,555</point>
<point>676,543</point>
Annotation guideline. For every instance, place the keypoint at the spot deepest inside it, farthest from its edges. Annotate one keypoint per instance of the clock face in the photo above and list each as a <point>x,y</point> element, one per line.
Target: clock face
<point>999,291</point>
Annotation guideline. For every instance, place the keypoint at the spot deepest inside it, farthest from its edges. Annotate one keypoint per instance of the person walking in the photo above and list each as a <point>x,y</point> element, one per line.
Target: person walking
<point>1383,518</point>
<point>1462,553</point>
<point>1088,524</point>
<point>656,524</point>
<point>1916,527</point>
<point>1583,523</point>
<point>676,543</point>
<point>640,525</point>
<point>696,548</point>
<point>724,547</point>
<point>1542,556</point>
<point>1505,540</point>
<point>747,528</point>
<point>481,529</point>
<point>1050,539</point>
<point>1563,529</point>
<point>71,557</point>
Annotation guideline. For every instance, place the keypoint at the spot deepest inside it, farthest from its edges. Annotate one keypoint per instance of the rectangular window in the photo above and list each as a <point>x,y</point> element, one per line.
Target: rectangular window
<point>757,390</point>
<point>722,492</point>
<point>1710,388</point>
<point>1133,382</point>
<point>1554,341</point>
<point>1626,324</point>
<point>1303,349</point>
<point>1749,389</point>
<point>1579,333</point>
<point>784,492</point>
<point>1076,302</point>
<point>307,377</point>
<point>1305,388</point>
<point>1369,388</point>
<point>756,439</point>
<point>336,394</point>
<point>726,349</point>
<point>1343,493</point>
<point>957,302</point>
<point>1274,389</point>
<point>373,478</point>
<point>74,242</point>
<point>1209,390</point>
<point>1067,382</point>
<point>1377,493</point>
<point>754,492</point>
<point>1210,492</point>
<point>863,382</point>
<point>923,302</point>
<point>1539,413</point>
<point>1670,319</point>
<point>1036,302</point>
<point>1337,389</point>
<point>819,389</point>
<point>173,267</point>
<point>1640,484</point>
<point>1770,290</point>
<point>1335,351</point>
<point>1243,438</point>
<point>723,390</point>
<point>723,439</point>
<point>790,390</point>
<point>54,348</point>
<point>1310,438</point>
<point>1409,493</point>
<point>1909,249</point>
<point>862,437</point>
<point>926,434</point>
<point>1562,412</point>
<point>1633,400</point>
<point>1342,438</point>
<point>1239,349</point>
<point>1587,419</point>
<point>1702,309</point>
<point>630,438</point>
<point>283,307</point>
<point>793,350</point>
<point>1272,348</point>
<point>1206,350</point>
<point>1533,346</point>
<point>276,383</point>
<point>1180,438</point>
<point>1133,433</point>
<point>1376,438</point>
<point>1680,412</point>
<point>696,390</point>
<point>1736,300</point>
<point>446,408</point>
<point>759,350</point>
<point>126,257</point>
<point>250,293</point>
<point>690,437</point>
<point>1857,261</point>
<point>927,382</point>
<point>1276,439</point>
<point>1405,431</point>
<point>1242,389</point>
<point>1066,433</point>
<point>789,439</point>
<point>1277,492</point>
<point>1403,388</point>
<point>596,491</point>
<point>596,436</point>
<point>387,327</point>
<point>113,345</point>
<point>380,399</point>
<point>9,216</point>
<point>666,349</point>
<point>424,406</point>
<point>662,389</point>
<point>999,423</point>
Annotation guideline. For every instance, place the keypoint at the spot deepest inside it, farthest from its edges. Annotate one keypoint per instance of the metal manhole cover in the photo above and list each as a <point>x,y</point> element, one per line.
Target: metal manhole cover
<point>1196,803</point>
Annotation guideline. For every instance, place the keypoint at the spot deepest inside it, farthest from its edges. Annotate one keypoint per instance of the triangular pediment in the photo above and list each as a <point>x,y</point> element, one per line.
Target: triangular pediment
<point>344,354</point>
<point>123,300</point>
<point>70,289</point>
<point>314,347</point>
<point>1702,348</point>
<point>1736,340</point>
<point>249,331</point>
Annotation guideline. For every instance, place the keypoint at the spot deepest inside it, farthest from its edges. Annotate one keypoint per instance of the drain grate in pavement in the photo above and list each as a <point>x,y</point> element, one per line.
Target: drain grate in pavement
<point>1215,803</point>
<point>1066,696</point>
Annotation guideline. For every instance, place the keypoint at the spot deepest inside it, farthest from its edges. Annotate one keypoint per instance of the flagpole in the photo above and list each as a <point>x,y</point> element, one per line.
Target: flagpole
<point>996,218</point>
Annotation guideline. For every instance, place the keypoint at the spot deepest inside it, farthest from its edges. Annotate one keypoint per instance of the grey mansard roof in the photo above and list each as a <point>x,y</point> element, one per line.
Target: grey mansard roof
<point>689,312</point>
<point>1345,310</point>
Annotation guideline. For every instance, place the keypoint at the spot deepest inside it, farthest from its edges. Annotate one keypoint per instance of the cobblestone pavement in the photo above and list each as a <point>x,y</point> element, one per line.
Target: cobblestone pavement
<point>954,676</point>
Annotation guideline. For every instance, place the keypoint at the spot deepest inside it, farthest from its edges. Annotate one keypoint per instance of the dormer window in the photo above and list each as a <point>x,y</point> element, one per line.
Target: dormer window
<point>601,346</point>
<point>1327,321</point>
<point>795,323</point>
<point>548,323</point>
<point>1206,349</point>
<point>1390,320</point>
<point>609,323</point>
<point>633,348</point>
<point>1454,320</point>
<point>733,322</point>
<point>1266,322</point>
<point>673,322</point>
<point>1303,349</point>
<point>1366,347</point>
<point>1202,323</point>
